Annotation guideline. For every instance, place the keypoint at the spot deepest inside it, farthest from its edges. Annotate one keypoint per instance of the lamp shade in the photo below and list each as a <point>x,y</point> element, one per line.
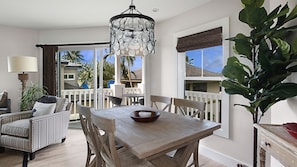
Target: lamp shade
<point>22,64</point>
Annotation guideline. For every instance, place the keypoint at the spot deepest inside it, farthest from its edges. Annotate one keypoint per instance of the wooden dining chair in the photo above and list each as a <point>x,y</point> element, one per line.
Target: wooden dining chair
<point>85,120</point>
<point>116,101</point>
<point>161,102</point>
<point>193,109</point>
<point>105,145</point>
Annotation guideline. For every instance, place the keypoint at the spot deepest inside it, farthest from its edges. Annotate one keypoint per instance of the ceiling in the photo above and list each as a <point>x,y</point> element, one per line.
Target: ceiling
<point>54,14</point>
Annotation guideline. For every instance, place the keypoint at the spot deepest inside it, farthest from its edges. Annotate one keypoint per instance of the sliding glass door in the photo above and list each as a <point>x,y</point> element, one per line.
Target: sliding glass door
<point>80,74</point>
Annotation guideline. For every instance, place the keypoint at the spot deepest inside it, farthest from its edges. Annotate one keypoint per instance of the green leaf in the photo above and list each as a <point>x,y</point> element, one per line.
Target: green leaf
<point>282,16</point>
<point>235,70</point>
<point>294,47</point>
<point>242,45</point>
<point>292,15</point>
<point>255,3</point>
<point>284,90</point>
<point>236,88</point>
<point>254,17</point>
<point>284,47</point>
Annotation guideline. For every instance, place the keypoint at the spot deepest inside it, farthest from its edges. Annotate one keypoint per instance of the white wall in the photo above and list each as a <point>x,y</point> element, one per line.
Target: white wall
<point>81,35</point>
<point>240,144</point>
<point>16,42</point>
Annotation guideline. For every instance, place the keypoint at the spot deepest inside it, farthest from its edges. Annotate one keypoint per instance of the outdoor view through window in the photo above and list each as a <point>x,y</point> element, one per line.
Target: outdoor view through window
<point>77,69</point>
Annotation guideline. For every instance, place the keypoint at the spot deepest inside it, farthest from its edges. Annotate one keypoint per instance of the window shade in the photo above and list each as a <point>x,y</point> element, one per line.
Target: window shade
<point>200,40</point>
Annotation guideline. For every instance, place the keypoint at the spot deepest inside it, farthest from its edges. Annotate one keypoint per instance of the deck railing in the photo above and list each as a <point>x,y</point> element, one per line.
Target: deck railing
<point>86,97</point>
<point>213,103</point>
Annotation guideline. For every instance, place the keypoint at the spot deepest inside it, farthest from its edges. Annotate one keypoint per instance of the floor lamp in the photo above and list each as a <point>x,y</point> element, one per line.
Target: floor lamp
<point>21,65</point>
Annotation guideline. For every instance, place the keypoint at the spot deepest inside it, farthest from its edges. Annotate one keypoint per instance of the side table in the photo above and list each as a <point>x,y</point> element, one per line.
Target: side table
<point>275,140</point>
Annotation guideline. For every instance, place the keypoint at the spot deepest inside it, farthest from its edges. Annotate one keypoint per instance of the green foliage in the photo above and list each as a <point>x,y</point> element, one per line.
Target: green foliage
<point>269,58</point>
<point>30,96</point>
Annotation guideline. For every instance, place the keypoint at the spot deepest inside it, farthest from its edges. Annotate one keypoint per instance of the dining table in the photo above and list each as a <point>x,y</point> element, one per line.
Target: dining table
<point>154,140</point>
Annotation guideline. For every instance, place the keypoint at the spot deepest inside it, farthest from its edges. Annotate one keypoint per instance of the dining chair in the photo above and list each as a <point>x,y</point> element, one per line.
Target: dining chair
<point>85,120</point>
<point>105,145</point>
<point>161,102</point>
<point>116,101</point>
<point>193,109</point>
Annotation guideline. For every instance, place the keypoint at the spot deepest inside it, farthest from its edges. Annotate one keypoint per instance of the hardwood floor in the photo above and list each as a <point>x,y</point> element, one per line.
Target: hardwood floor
<point>71,153</point>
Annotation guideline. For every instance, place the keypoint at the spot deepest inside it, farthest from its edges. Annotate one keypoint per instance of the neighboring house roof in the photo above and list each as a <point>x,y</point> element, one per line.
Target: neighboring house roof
<point>190,69</point>
<point>195,71</point>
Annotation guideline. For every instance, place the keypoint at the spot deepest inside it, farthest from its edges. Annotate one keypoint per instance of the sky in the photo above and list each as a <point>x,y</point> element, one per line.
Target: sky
<point>212,58</point>
<point>89,56</point>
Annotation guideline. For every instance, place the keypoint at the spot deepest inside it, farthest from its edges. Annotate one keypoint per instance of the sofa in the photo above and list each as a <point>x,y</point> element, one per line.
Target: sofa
<point>29,132</point>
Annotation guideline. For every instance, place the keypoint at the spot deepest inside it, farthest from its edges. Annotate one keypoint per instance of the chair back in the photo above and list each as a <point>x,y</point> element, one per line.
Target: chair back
<point>105,143</point>
<point>85,120</point>
<point>116,101</point>
<point>189,107</point>
<point>161,102</point>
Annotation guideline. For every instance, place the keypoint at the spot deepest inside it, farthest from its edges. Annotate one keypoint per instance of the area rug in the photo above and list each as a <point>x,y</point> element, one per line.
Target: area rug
<point>74,125</point>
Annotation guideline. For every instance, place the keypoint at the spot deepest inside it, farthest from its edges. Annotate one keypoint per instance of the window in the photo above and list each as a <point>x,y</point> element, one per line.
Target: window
<point>202,53</point>
<point>69,76</point>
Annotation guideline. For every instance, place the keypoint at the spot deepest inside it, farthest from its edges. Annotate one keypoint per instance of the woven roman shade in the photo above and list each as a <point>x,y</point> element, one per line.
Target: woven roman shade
<point>200,40</point>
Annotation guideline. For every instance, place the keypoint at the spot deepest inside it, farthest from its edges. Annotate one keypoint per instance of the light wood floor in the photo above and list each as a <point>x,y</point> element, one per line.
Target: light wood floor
<point>72,153</point>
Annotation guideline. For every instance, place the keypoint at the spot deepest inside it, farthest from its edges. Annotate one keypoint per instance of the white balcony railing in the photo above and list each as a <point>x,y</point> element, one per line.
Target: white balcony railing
<point>213,103</point>
<point>86,97</point>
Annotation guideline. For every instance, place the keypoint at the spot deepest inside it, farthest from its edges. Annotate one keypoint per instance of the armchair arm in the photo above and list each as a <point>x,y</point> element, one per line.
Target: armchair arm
<point>48,129</point>
<point>6,118</point>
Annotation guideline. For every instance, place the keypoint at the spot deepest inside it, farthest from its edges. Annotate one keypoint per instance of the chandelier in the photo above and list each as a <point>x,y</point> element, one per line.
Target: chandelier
<point>132,33</point>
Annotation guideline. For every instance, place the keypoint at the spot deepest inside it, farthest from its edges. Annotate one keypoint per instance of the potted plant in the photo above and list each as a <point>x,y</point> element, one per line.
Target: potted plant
<point>267,59</point>
<point>30,96</point>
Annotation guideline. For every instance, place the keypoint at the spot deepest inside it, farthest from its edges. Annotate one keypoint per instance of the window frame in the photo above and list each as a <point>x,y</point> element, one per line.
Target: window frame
<point>181,64</point>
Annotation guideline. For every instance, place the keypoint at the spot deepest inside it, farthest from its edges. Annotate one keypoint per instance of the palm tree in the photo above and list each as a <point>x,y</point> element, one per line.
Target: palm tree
<point>86,74</point>
<point>73,56</point>
<point>189,61</point>
<point>108,73</point>
<point>129,60</point>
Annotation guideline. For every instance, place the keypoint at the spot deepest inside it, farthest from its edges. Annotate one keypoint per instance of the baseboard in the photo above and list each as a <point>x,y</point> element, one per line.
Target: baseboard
<point>218,157</point>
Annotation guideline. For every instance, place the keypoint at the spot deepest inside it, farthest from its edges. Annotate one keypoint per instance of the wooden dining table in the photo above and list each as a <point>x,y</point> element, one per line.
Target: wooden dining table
<point>153,140</point>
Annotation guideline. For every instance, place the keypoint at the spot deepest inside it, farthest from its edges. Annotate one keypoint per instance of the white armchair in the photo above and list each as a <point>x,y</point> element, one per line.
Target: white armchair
<point>21,131</point>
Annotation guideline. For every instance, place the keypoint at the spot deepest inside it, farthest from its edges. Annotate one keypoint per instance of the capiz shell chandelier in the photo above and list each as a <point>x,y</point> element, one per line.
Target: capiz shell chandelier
<point>132,33</point>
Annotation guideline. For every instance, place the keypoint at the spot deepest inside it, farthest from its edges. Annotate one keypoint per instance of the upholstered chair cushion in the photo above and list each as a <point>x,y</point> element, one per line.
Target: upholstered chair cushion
<point>43,108</point>
<point>3,99</point>
<point>60,104</point>
<point>18,128</point>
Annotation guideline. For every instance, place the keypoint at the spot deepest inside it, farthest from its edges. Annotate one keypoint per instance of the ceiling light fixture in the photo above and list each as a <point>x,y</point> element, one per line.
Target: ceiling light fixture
<point>132,33</point>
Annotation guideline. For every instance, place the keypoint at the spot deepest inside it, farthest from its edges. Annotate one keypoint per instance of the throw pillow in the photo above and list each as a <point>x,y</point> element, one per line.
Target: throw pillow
<point>43,108</point>
<point>3,98</point>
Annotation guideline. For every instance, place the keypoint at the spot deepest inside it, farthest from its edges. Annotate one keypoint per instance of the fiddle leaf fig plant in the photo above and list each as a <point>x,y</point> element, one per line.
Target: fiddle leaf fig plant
<point>267,58</point>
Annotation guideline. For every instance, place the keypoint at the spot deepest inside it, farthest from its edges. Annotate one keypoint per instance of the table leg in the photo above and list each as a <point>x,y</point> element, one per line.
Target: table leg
<point>262,157</point>
<point>180,158</point>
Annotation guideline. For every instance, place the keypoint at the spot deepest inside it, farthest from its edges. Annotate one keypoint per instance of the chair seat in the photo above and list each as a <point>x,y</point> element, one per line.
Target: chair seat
<point>19,128</point>
<point>128,159</point>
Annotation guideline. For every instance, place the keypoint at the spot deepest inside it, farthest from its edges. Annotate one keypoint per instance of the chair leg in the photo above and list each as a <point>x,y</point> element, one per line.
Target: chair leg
<point>32,156</point>
<point>2,149</point>
<point>89,153</point>
<point>25,159</point>
<point>63,140</point>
